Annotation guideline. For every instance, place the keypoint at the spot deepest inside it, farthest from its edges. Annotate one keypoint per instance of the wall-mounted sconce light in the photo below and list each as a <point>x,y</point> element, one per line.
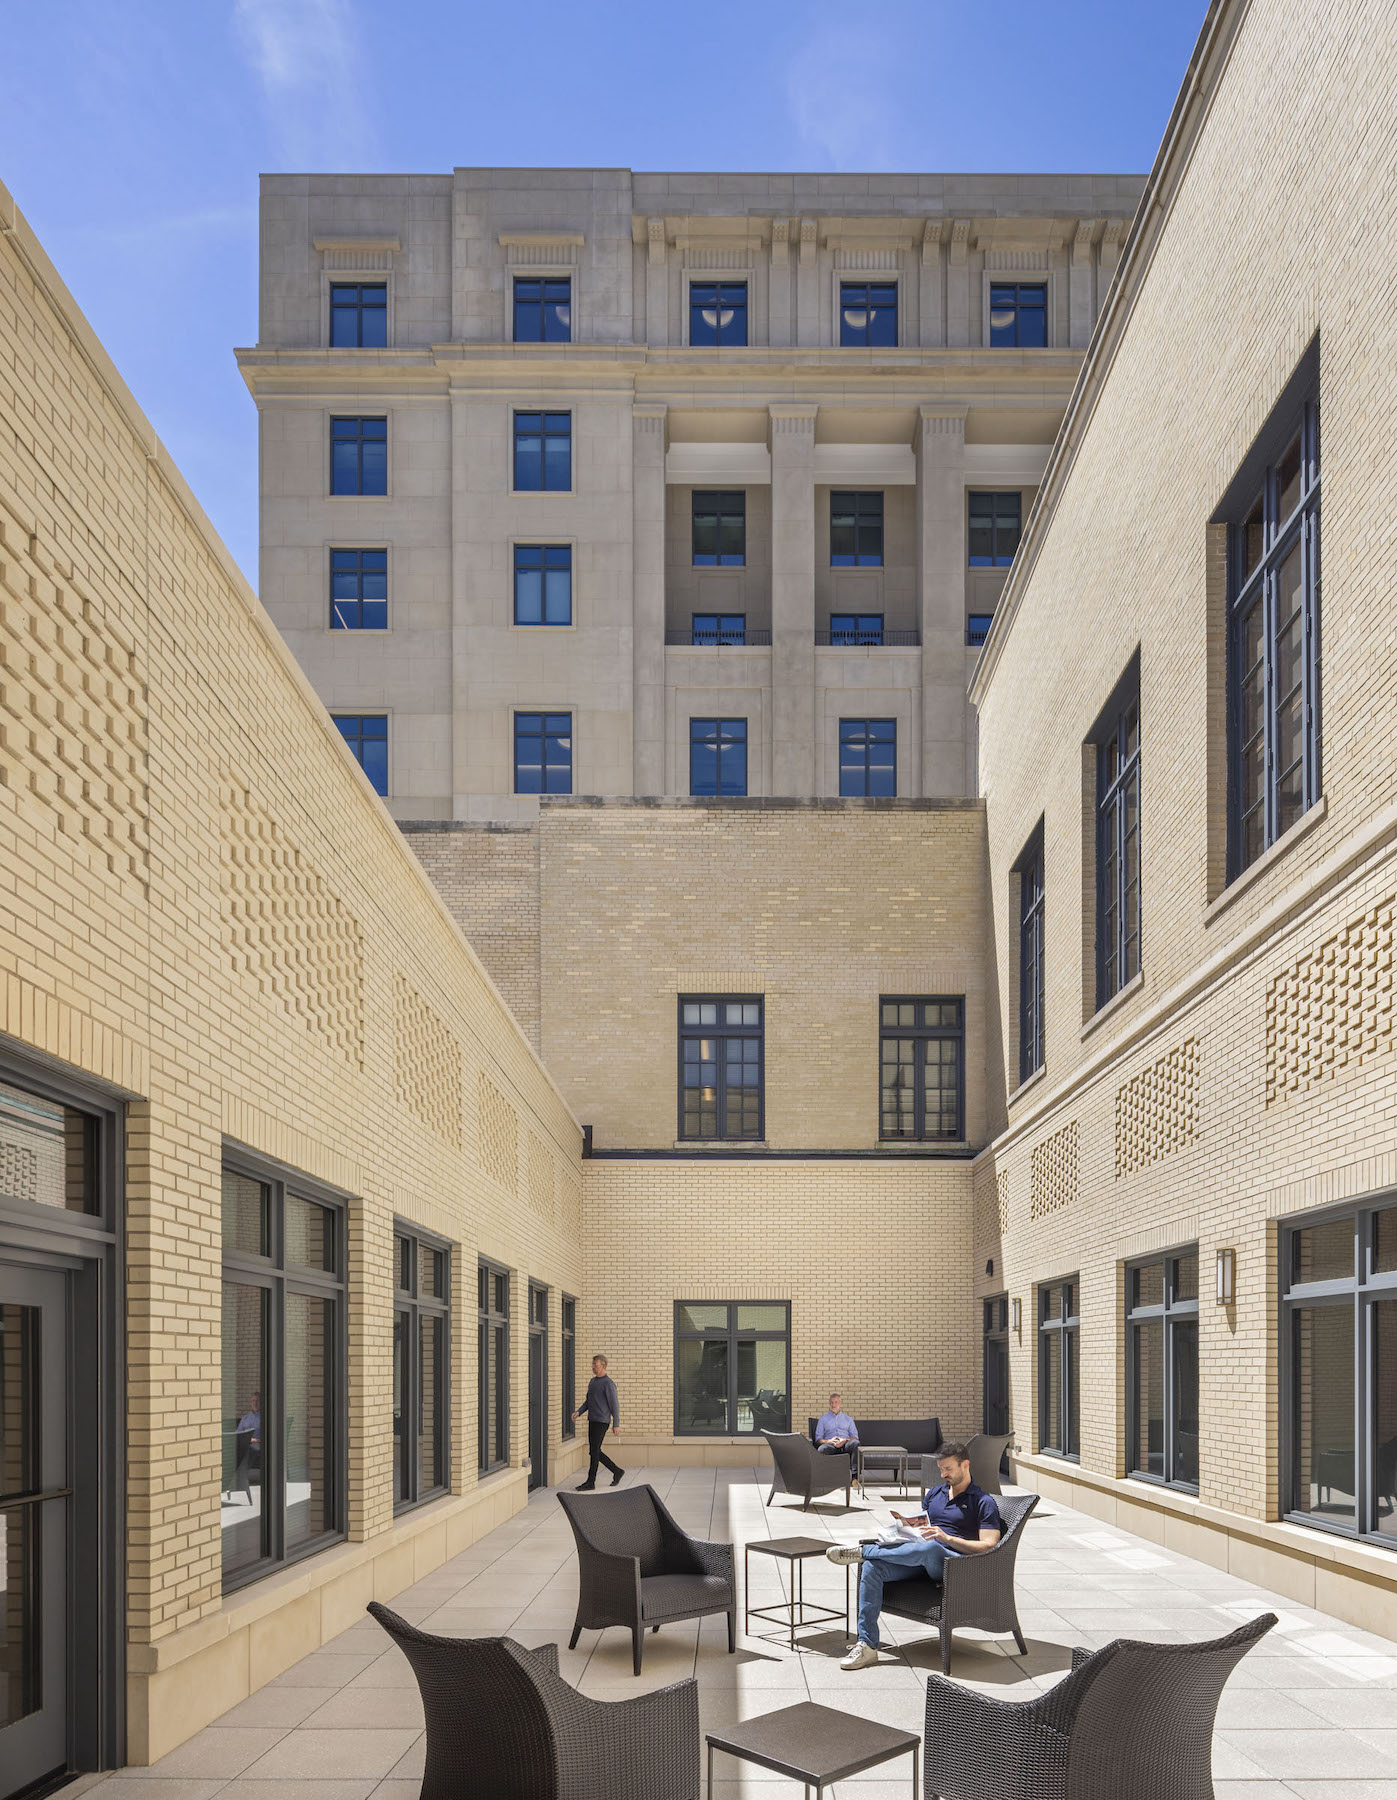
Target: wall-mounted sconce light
<point>1227,1277</point>
<point>989,1267</point>
<point>1017,1306</point>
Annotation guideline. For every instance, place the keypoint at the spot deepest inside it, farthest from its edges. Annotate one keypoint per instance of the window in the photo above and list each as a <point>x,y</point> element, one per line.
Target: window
<point>542,452</point>
<point>719,628</point>
<point>855,531</point>
<point>358,315</point>
<point>492,1368</point>
<point>921,1047</point>
<point>977,629</point>
<point>543,584</point>
<point>542,309</point>
<point>868,314</point>
<point>868,758</point>
<point>732,1367</point>
<point>1161,1346</point>
<point>720,1066</point>
<point>996,524</point>
<point>543,753</point>
<point>849,629</point>
<point>569,1348</point>
<point>995,1412</point>
<point>1031,973</point>
<point>719,529</point>
<point>1339,1371</point>
<point>1057,1368</point>
<point>421,1361</point>
<point>358,590</point>
<point>717,313</point>
<point>717,757</point>
<point>367,736</point>
<point>1273,672</point>
<point>1117,739</point>
<point>48,1153</point>
<point>283,1371</point>
<point>359,456</point>
<point>1018,315</point>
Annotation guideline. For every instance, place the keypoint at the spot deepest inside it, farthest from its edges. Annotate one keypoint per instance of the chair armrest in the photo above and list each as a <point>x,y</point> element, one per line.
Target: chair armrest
<point>992,1749</point>
<point>978,1582</point>
<point>1081,1656</point>
<point>547,1654</point>
<point>712,1558</point>
<point>608,1588</point>
<point>645,1748</point>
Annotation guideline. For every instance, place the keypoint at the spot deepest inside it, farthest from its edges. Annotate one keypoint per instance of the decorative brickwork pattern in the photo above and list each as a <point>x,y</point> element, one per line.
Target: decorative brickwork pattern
<point>499,1136</point>
<point>1157,1110</point>
<point>1001,1189</point>
<point>19,1173</point>
<point>73,719</point>
<point>1333,1008</point>
<point>540,1179</point>
<point>286,931</point>
<point>570,1206</point>
<point>1053,1173</point>
<point>427,1063</point>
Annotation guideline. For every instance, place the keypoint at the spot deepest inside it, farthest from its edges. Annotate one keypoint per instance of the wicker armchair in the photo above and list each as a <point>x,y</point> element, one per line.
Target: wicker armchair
<point>986,1454</point>
<point>638,1568</point>
<point>502,1724</point>
<point>1131,1720</point>
<point>801,1469</point>
<point>974,1590</point>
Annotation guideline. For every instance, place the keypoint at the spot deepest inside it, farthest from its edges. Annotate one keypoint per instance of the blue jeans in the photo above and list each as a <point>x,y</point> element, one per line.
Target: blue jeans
<point>882,1565</point>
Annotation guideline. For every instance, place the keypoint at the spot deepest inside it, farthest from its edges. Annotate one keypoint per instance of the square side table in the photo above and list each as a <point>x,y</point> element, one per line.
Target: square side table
<point>815,1745</point>
<point>797,1611</point>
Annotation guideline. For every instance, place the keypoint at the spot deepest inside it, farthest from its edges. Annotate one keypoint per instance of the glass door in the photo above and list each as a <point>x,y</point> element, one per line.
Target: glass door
<point>34,1508</point>
<point>538,1386</point>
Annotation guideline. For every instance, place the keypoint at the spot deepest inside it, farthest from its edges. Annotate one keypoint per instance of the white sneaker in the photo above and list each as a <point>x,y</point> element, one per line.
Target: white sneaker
<point>845,1553</point>
<point>862,1656</point>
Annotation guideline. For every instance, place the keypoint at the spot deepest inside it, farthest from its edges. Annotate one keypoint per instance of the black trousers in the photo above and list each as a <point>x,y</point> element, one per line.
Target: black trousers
<point>596,1437</point>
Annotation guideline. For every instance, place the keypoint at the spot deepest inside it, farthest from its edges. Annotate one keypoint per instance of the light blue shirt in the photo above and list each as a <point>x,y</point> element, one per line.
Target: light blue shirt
<point>832,1425</point>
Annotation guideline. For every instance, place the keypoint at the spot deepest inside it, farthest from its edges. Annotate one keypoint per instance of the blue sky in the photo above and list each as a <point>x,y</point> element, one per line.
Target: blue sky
<point>132,136</point>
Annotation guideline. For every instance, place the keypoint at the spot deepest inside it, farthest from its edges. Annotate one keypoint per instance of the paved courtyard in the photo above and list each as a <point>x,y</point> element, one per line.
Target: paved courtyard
<point>1311,1712</point>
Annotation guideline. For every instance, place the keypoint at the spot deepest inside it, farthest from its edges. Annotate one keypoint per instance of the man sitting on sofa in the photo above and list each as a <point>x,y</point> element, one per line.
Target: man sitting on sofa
<point>958,1519</point>
<point>835,1431</point>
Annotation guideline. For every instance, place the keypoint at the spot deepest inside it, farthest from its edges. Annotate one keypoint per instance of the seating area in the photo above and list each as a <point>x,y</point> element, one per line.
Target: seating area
<point>1307,1713</point>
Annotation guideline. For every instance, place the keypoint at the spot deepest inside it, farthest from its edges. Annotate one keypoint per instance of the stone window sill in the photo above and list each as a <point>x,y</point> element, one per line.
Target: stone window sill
<point>1243,883</point>
<point>1029,1080</point>
<point>1114,1004</point>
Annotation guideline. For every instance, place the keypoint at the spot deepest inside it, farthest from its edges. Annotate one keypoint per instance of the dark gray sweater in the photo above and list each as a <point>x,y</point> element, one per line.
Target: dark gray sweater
<point>601,1402</point>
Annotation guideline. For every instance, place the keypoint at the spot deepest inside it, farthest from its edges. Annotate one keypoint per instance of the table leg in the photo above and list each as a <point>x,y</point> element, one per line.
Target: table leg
<point>710,1772</point>
<point>847,1626</point>
<point>797,1596</point>
<point>746,1588</point>
<point>916,1758</point>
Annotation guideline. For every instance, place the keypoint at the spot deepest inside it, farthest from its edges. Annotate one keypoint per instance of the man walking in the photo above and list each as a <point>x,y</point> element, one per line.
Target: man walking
<point>959,1519</point>
<point>603,1410</point>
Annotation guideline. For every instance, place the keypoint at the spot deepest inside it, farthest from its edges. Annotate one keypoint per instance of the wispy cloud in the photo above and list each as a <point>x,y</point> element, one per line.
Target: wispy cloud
<point>841,98</point>
<point>305,54</point>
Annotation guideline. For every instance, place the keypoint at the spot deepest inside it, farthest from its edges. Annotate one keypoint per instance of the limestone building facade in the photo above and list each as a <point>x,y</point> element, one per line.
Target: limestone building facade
<point>600,482</point>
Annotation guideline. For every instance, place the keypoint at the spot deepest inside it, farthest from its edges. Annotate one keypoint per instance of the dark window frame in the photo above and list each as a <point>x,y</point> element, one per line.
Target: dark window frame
<point>522,433</point>
<point>347,612</point>
<point>549,556</point>
<point>994,1329</point>
<point>848,728</point>
<point>1005,510</point>
<point>1361,1291</point>
<point>725,507</point>
<point>732,1335</point>
<point>568,1363</point>
<point>410,1304</point>
<point>1171,1312</point>
<point>1066,1326</point>
<point>1031,871</point>
<point>872,296</point>
<point>544,734</point>
<point>1119,902</point>
<point>860,512</point>
<point>270,1273</point>
<point>723,295</point>
<point>493,1350</point>
<point>342,310</point>
<point>359,441</point>
<point>726,628</point>
<point>723,1030</point>
<point>726,737</point>
<point>922,1035</point>
<point>1021,310</point>
<point>545,305</point>
<point>358,738</point>
<point>1258,590</point>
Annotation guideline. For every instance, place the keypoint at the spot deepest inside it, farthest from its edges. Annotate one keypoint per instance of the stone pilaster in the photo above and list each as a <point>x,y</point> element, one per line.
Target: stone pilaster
<point>461,539</point>
<point>793,599</point>
<point>1079,295</point>
<point>779,309</point>
<point>940,447</point>
<point>933,331</point>
<point>656,283</point>
<point>808,302</point>
<point>648,565</point>
<point>958,286</point>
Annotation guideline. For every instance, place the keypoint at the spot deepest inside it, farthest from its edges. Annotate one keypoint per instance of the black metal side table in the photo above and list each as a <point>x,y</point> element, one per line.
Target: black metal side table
<point>796,1611</point>
<point>816,1745</point>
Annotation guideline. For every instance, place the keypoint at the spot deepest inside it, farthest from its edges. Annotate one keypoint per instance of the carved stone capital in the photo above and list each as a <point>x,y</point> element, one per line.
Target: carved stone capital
<point>809,233</point>
<point>655,237</point>
<point>1081,242</point>
<point>780,242</point>
<point>960,242</point>
<point>943,421</point>
<point>649,418</point>
<point>931,241</point>
<point>793,422</point>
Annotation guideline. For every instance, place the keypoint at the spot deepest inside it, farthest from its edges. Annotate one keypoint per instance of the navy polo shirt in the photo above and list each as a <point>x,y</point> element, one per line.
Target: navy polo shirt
<point>963,1515</point>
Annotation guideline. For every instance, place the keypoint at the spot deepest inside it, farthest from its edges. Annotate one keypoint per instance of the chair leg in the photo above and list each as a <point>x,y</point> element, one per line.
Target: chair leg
<point>945,1649</point>
<point>637,1643</point>
<point>576,1633</point>
<point>732,1631</point>
<point>1019,1640</point>
<point>772,1495</point>
<point>653,1630</point>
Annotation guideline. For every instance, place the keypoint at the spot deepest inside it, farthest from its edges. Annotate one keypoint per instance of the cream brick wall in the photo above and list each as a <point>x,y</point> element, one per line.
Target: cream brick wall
<point>1251,1073</point>
<point>202,904</point>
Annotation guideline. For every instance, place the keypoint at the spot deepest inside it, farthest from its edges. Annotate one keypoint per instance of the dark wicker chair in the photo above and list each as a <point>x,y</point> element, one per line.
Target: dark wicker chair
<point>637,1567</point>
<point>986,1454</point>
<point>1130,1722</point>
<point>801,1469</point>
<point>974,1590</point>
<point>502,1724</point>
